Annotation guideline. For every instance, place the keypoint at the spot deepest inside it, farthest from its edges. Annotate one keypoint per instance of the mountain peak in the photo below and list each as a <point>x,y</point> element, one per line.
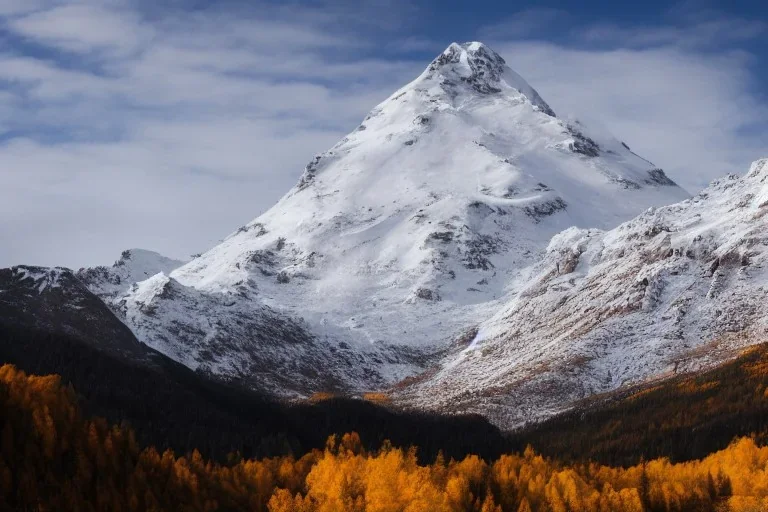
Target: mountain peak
<point>426,216</point>
<point>477,65</point>
<point>476,55</point>
<point>758,171</point>
<point>134,265</point>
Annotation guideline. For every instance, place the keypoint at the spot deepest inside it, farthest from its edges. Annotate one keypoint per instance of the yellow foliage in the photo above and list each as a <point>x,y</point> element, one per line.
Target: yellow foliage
<point>377,398</point>
<point>691,386</point>
<point>759,368</point>
<point>106,470</point>
<point>320,396</point>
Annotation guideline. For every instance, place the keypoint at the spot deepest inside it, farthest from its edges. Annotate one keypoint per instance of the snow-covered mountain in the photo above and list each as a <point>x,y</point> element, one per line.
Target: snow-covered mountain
<point>398,241</point>
<point>676,289</point>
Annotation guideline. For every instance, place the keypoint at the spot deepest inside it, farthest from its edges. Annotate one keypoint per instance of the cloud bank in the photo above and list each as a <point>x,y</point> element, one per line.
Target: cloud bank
<point>126,125</point>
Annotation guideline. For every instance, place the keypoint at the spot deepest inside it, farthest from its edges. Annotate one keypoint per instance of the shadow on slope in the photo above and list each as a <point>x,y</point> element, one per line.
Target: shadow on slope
<point>169,406</point>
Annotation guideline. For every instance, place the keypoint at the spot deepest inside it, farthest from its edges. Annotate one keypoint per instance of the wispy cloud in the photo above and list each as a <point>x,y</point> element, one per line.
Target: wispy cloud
<point>693,114</point>
<point>135,123</point>
<point>700,31</point>
<point>683,94</point>
<point>167,130</point>
<point>84,28</point>
<point>17,7</point>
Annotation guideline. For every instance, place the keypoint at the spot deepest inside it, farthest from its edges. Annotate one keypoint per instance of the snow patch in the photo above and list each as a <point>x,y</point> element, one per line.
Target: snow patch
<point>43,278</point>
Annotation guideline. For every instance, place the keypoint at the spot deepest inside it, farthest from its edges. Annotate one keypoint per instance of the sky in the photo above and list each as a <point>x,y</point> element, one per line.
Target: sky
<point>166,125</point>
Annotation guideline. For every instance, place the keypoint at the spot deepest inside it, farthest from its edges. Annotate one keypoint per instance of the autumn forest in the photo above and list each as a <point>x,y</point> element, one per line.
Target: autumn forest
<point>54,458</point>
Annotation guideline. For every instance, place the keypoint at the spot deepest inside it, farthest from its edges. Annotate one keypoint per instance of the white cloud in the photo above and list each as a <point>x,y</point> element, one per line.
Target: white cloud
<point>168,130</point>
<point>85,27</point>
<point>690,114</point>
<point>682,94</point>
<point>173,132</point>
<point>702,33</point>
<point>19,7</point>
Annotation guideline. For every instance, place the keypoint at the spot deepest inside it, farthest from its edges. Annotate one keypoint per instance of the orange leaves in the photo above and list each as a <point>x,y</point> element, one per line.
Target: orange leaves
<point>758,368</point>
<point>52,459</point>
<point>389,481</point>
<point>524,506</point>
<point>692,386</point>
<point>321,396</point>
<point>283,501</point>
<point>747,504</point>
<point>377,398</point>
<point>625,500</point>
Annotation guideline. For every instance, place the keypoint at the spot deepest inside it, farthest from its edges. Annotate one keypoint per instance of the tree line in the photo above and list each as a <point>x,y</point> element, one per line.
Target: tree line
<point>52,457</point>
<point>170,406</point>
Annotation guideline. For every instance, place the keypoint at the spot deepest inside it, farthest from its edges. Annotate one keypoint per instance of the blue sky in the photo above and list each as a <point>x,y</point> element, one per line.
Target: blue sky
<point>165,125</point>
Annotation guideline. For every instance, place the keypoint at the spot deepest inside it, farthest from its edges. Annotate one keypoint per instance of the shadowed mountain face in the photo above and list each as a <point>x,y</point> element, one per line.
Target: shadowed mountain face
<point>50,323</point>
<point>169,406</point>
<point>54,300</point>
<point>683,418</point>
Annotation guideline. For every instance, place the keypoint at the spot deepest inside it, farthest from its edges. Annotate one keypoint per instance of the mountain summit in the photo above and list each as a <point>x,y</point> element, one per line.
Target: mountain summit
<point>396,242</point>
<point>483,69</point>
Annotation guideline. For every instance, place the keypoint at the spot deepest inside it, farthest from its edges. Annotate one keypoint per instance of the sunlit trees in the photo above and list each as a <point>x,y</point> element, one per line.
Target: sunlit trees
<point>51,458</point>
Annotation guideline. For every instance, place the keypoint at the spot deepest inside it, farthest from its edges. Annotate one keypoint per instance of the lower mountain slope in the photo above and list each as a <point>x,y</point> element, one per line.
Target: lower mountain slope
<point>54,300</point>
<point>235,336</point>
<point>170,406</point>
<point>677,289</point>
<point>682,418</point>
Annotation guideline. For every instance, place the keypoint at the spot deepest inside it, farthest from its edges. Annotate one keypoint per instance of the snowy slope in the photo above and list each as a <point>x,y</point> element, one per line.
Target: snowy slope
<point>675,289</point>
<point>402,237</point>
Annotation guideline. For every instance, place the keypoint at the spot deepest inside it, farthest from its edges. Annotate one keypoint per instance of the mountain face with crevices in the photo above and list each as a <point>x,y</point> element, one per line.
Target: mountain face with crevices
<point>677,289</point>
<point>396,242</point>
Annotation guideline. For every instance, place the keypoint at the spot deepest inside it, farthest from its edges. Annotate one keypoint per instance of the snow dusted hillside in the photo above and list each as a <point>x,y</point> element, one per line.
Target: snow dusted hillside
<point>398,240</point>
<point>675,289</point>
<point>54,300</point>
<point>133,266</point>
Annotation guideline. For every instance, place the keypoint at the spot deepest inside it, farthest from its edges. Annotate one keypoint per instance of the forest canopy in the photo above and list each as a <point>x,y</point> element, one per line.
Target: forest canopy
<point>53,458</point>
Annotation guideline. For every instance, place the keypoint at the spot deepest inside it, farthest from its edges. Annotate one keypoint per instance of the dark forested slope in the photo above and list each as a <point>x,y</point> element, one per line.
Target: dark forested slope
<point>169,406</point>
<point>683,418</point>
<point>50,323</point>
<point>52,457</point>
